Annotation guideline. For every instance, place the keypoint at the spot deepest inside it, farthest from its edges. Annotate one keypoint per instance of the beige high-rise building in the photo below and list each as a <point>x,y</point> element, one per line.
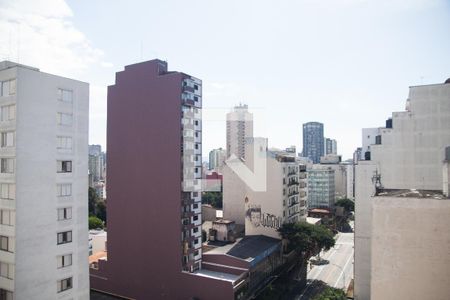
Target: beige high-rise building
<point>239,127</point>
<point>402,224</point>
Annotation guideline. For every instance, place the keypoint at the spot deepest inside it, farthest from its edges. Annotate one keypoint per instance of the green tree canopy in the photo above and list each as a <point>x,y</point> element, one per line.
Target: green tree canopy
<point>212,198</point>
<point>347,204</point>
<point>330,293</point>
<point>95,223</point>
<point>306,238</point>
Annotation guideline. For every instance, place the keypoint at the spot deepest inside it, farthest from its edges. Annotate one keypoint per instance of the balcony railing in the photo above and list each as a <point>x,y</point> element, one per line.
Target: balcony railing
<point>292,182</point>
<point>293,193</point>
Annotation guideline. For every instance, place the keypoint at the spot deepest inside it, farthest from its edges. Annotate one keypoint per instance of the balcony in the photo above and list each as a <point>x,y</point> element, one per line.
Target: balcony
<point>188,226</point>
<point>292,182</point>
<point>188,214</point>
<point>293,193</point>
<point>293,203</point>
<point>187,88</point>
<point>291,173</point>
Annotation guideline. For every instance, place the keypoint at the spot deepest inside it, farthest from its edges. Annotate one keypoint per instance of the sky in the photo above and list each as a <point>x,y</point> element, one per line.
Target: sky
<point>345,63</point>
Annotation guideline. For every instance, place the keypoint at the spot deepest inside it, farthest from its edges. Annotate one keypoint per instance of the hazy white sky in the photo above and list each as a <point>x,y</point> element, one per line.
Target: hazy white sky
<point>347,64</point>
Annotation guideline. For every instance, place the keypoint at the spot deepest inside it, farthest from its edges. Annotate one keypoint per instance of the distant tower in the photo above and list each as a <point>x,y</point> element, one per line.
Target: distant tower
<point>239,127</point>
<point>313,141</point>
<point>330,146</point>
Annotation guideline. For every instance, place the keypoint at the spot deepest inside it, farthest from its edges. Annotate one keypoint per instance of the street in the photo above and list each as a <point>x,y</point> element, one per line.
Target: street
<point>337,273</point>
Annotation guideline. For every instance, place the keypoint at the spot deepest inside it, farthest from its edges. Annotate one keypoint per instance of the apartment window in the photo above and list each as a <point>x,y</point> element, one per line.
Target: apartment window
<point>8,112</point>
<point>64,142</point>
<point>8,87</point>
<point>64,119</point>
<point>64,237</point>
<point>195,98</point>
<point>6,295</point>
<point>195,218</point>
<point>64,189</point>
<point>195,205</point>
<point>64,260</point>
<point>64,166</point>
<point>6,271</point>
<point>65,95</point>
<point>5,244</point>
<point>8,191</point>
<point>7,217</point>
<point>7,165</point>
<point>196,241</point>
<point>195,229</point>
<point>196,122</point>
<point>7,139</point>
<point>196,87</point>
<point>64,213</point>
<point>64,284</point>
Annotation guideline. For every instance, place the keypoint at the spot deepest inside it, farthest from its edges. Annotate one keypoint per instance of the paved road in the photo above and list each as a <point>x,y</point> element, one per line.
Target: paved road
<point>337,273</point>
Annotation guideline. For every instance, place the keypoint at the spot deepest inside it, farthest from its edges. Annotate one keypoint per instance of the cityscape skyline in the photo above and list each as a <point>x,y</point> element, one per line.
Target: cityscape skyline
<point>393,55</point>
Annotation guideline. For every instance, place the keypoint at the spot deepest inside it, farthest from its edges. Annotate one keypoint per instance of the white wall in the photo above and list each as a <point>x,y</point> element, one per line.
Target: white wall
<point>364,189</point>
<point>36,272</point>
<point>413,150</point>
<point>410,248</point>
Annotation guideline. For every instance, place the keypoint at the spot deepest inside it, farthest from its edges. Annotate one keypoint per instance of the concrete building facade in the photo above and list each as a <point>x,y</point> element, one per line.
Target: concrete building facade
<point>216,159</point>
<point>321,187</point>
<point>239,128</point>
<point>330,146</point>
<point>283,201</point>
<point>154,186</point>
<point>43,184</point>
<point>397,256</point>
<point>313,141</point>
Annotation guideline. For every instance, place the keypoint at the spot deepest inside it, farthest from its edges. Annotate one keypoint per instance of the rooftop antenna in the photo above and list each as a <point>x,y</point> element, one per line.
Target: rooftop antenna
<point>376,179</point>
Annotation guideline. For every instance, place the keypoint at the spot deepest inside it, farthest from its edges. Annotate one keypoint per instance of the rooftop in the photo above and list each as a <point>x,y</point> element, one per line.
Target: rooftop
<point>223,221</point>
<point>319,210</point>
<point>253,246</point>
<point>98,256</point>
<point>217,275</point>
<point>6,64</point>
<point>410,193</point>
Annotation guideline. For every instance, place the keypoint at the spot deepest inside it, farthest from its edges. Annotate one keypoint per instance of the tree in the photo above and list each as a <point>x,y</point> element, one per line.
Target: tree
<point>346,203</point>
<point>307,239</point>
<point>330,293</point>
<point>212,198</point>
<point>95,223</point>
<point>100,208</point>
<point>93,199</point>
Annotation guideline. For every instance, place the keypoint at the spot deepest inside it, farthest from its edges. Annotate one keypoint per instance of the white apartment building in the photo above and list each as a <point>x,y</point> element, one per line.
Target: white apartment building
<point>401,224</point>
<point>284,199</point>
<point>239,128</point>
<point>43,183</point>
<point>216,159</point>
<point>321,186</point>
<point>192,173</point>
